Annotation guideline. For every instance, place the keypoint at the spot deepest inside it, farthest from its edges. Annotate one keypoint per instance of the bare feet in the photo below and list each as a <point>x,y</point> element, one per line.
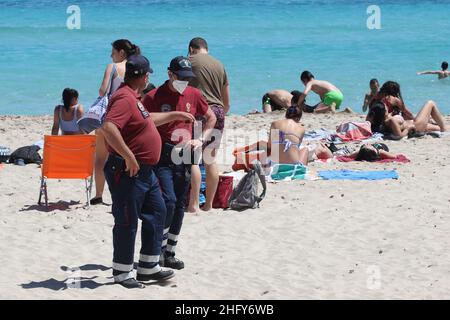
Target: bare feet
<point>206,207</point>
<point>347,110</point>
<point>193,209</point>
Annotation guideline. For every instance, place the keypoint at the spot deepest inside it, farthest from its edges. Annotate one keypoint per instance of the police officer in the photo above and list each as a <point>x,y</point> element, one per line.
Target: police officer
<point>174,172</point>
<point>134,146</point>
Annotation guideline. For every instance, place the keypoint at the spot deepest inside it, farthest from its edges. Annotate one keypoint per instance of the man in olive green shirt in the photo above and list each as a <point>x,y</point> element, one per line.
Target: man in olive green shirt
<point>211,79</point>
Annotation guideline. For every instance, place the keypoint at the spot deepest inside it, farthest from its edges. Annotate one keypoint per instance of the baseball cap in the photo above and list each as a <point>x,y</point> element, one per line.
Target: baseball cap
<point>137,65</point>
<point>182,67</point>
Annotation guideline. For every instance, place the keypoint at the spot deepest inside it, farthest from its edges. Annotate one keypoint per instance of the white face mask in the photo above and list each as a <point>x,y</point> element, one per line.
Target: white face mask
<point>180,86</point>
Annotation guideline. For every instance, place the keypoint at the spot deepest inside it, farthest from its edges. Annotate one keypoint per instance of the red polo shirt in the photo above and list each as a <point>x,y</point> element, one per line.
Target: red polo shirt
<point>136,127</point>
<point>163,99</point>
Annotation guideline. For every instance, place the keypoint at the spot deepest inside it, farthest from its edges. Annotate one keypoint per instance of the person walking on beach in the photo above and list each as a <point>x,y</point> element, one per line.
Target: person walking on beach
<point>121,50</point>
<point>211,79</point>
<point>65,116</point>
<point>135,146</point>
<point>442,74</point>
<point>374,89</point>
<point>174,173</point>
<point>331,97</point>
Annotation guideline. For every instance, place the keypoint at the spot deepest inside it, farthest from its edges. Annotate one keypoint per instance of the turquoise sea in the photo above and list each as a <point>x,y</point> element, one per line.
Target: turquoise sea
<point>263,44</point>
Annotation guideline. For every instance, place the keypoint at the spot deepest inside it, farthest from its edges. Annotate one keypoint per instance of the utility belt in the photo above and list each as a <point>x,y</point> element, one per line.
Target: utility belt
<point>119,163</point>
<point>171,154</point>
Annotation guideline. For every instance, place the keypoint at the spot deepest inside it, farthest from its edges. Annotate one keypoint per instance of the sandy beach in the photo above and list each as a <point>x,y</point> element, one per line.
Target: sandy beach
<point>309,239</point>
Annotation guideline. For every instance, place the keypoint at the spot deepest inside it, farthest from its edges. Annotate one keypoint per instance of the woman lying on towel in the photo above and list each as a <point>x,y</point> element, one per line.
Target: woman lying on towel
<point>367,152</point>
<point>428,119</point>
<point>284,145</point>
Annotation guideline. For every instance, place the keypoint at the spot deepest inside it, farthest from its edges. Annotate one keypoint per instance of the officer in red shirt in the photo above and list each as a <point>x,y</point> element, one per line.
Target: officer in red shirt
<point>173,170</point>
<point>135,146</point>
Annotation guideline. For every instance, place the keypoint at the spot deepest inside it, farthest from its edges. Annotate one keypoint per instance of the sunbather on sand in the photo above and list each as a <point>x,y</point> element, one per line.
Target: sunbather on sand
<point>367,152</point>
<point>428,119</point>
<point>391,97</point>
<point>284,145</point>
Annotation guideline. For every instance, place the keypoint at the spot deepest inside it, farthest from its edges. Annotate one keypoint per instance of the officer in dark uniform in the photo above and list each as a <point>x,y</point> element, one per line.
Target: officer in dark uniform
<point>135,146</point>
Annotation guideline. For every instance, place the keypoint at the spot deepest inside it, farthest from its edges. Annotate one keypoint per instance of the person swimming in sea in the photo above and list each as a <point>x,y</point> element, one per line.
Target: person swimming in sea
<point>442,74</point>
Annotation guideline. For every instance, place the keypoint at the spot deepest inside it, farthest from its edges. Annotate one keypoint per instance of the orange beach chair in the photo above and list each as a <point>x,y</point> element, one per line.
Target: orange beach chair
<point>68,157</point>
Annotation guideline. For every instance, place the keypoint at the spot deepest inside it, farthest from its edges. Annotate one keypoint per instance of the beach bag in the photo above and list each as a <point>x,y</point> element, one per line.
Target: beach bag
<point>245,195</point>
<point>93,118</point>
<point>5,153</point>
<point>28,154</point>
<point>223,192</point>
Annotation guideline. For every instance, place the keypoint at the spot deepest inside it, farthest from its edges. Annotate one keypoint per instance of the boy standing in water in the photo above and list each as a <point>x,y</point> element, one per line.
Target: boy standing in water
<point>374,88</point>
<point>442,74</point>
<point>331,97</point>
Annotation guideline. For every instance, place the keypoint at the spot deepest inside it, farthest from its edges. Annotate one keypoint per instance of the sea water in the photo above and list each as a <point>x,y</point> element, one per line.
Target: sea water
<point>264,45</point>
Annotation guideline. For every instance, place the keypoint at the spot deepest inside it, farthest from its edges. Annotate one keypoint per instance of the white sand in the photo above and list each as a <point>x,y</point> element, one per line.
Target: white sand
<point>310,239</point>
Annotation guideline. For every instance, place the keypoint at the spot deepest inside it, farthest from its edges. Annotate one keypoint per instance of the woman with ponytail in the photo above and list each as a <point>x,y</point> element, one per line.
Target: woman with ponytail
<point>112,79</point>
<point>65,116</point>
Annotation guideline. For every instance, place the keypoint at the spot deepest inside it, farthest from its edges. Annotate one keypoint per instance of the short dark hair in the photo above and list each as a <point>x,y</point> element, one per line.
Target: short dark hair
<point>444,65</point>
<point>295,96</point>
<point>372,81</point>
<point>306,76</point>
<point>67,96</point>
<point>198,43</point>
<point>366,154</point>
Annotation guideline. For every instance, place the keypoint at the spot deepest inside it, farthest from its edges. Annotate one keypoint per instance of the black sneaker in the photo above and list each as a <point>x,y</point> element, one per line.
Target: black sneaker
<point>95,201</point>
<point>131,284</point>
<point>163,275</point>
<point>172,263</point>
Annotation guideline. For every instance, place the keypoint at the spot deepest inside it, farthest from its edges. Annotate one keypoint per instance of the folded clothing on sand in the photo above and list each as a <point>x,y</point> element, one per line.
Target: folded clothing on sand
<point>400,158</point>
<point>358,175</point>
<point>287,172</point>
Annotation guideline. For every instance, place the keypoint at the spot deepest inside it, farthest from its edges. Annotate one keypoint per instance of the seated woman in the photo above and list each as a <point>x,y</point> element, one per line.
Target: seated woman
<point>391,96</point>
<point>367,152</point>
<point>66,116</point>
<point>284,145</point>
<point>387,123</point>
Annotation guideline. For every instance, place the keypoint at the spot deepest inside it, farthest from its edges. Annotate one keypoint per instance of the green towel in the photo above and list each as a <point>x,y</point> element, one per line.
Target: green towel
<point>288,172</point>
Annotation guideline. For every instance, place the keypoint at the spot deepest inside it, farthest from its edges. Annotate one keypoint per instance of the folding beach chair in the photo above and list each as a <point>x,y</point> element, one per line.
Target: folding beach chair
<point>68,157</point>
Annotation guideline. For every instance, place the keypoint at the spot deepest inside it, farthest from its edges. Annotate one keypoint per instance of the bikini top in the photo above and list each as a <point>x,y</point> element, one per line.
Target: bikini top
<point>115,82</point>
<point>287,143</point>
<point>71,125</point>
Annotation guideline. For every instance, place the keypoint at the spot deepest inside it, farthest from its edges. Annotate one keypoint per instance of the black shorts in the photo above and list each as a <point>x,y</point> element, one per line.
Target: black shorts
<point>275,107</point>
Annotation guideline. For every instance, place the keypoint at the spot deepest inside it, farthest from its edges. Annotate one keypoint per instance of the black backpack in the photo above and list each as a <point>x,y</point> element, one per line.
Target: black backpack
<point>245,195</point>
<point>29,154</point>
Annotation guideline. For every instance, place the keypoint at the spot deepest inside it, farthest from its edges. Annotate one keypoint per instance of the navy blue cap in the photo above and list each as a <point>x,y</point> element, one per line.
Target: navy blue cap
<point>182,67</point>
<point>137,65</point>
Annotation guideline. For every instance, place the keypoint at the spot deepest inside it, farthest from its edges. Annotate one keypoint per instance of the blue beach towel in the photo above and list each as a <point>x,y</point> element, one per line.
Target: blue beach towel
<point>358,175</point>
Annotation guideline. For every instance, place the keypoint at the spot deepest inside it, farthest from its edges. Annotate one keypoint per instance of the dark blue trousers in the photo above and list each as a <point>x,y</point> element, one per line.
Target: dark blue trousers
<point>135,198</point>
<point>174,181</point>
